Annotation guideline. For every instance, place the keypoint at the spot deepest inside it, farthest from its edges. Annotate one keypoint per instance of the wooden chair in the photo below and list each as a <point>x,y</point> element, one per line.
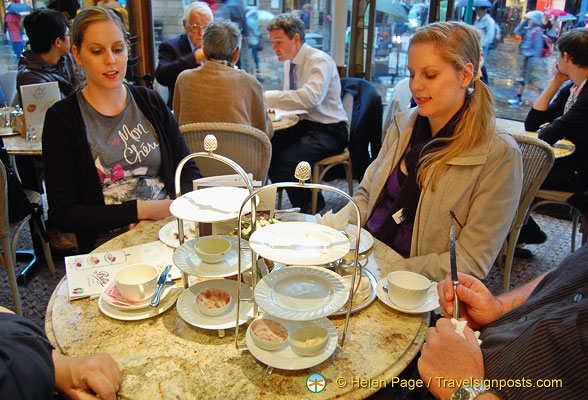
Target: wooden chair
<point>248,146</point>
<point>545,196</point>
<point>9,243</point>
<point>538,158</point>
<point>320,168</point>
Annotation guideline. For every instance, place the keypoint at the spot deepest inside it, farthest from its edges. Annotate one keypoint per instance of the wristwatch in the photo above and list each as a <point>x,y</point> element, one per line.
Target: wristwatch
<point>469,392</point>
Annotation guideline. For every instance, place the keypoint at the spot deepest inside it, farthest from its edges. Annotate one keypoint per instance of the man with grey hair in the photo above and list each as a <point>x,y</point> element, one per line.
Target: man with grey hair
<point>217,91</point>
<point>311,83</point>
<point>184,51</point>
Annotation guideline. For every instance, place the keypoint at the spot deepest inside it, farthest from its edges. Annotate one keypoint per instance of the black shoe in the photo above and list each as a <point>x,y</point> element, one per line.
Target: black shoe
<point>534,237</point>
<point>522,253</point>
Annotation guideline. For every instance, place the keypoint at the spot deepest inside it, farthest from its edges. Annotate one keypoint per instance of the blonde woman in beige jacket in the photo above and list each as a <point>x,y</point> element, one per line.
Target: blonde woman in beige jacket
<point>444,163</point>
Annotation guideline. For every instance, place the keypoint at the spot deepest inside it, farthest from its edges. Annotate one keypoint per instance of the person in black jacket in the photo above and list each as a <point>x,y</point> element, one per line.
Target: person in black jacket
<point>109,150</point>
<point>184,51</point>
<point>564,117</point>
<point>31,369</point>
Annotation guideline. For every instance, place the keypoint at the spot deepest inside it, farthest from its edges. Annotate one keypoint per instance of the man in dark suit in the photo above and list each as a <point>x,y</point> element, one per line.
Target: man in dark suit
<point>184,51</point>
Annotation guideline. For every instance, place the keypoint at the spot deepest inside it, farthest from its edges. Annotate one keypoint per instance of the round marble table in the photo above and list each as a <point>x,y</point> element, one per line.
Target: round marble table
<point>561,148</point>
<point>164,358</point>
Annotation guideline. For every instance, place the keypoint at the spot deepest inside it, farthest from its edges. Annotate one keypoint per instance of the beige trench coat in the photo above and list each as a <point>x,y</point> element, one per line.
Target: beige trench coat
<point>482,188</point>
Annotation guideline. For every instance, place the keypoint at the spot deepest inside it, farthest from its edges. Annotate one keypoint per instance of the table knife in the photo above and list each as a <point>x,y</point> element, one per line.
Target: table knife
<point>453,260</point>
<point>161,282</point>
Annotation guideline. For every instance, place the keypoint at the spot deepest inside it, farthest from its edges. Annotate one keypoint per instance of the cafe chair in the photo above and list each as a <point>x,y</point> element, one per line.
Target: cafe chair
<point>545,196</point>
<point>247,146</point>
<point>9,241</point>
<point>538,158</point>
<point>320,168</point>
<point>8,84</point>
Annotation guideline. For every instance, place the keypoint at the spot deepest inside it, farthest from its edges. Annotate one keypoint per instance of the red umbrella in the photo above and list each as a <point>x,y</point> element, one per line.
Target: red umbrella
<point>554,12</point>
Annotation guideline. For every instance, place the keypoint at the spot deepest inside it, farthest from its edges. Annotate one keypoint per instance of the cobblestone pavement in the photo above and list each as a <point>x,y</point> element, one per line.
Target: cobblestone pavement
<point>503,73</point>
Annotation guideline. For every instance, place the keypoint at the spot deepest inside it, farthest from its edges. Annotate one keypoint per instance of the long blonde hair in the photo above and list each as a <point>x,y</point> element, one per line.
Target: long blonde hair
<point>458,44</point>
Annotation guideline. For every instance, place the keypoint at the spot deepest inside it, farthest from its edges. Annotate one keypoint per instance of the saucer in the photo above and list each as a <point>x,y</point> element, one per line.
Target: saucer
<point>189,312</point>
<point>285,358</point>
<point>111,301</point>
<point>144,313</point>
<point>186,259</point>
<point>431,301</point>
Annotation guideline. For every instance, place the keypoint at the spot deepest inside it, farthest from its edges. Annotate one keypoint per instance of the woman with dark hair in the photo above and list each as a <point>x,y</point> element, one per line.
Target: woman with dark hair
<point>110,150</point>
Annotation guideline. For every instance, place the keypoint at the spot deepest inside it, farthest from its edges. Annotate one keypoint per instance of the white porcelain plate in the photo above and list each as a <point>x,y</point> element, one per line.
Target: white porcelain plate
<point>168,234</point>
<point>299,243</point>
<point>167,289</point>
<point>285,358</point>
<point>186,259</point>
<point>301,293</point>
<point>189,312</point>
<point>431,301</point>
<point>143,313</point>
<point>366,240</point>
<point>210,204</point>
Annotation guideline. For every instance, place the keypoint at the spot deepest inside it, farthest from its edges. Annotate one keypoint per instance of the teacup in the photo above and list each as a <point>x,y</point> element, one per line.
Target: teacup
<point>137,282</point>
<point>407,289</point>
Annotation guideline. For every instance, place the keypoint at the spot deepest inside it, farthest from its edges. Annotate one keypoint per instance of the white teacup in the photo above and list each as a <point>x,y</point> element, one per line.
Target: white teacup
<point>407,289</point>
<point>137,282</point>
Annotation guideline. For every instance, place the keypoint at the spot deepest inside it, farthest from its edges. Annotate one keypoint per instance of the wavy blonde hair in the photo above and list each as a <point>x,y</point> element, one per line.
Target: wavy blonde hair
<point>458,44</point>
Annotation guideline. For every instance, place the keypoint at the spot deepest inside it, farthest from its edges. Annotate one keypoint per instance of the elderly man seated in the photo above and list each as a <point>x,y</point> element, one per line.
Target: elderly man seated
<point>217,91</point>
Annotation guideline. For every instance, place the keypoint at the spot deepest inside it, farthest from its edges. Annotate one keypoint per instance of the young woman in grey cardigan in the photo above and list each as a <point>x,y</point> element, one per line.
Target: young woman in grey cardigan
<point>110,150</point>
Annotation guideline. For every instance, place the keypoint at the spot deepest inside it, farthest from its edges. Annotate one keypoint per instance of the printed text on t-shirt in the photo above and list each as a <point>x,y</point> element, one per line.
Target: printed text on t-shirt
<point>135,152</point>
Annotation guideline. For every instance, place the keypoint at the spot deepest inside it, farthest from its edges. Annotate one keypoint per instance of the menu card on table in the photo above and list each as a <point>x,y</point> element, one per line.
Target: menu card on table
<point>88,274</point>
<point>36,100</point>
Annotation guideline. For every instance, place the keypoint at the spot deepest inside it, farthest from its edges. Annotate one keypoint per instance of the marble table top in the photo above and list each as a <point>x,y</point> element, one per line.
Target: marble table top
<point>163,357</point>
<point>17,145</point>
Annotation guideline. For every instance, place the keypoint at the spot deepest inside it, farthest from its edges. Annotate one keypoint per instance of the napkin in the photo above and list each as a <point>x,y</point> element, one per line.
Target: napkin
<point>112,295</point>
<point>459,326</point>
<point>336,221</point>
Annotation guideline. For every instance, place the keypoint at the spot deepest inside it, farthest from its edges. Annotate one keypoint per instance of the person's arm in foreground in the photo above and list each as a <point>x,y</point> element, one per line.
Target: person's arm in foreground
<point>477,305</point>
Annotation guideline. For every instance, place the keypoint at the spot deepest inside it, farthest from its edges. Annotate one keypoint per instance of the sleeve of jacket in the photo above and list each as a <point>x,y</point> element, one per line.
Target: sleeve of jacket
<point>26,363</point>
<point>67,189</point>
<point>569,125</point>
<point>520,29</point>
<point>492,208</point>
<point>170,64</point>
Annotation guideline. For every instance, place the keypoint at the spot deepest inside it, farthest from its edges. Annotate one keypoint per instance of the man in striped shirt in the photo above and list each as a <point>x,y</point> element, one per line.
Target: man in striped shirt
<point>532,336</point>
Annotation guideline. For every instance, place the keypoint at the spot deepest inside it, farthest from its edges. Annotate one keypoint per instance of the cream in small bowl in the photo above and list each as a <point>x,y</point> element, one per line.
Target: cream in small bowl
<point>268,334</point>
<point>213,301</point>
<point>309,340</point>
<point>213,249</point>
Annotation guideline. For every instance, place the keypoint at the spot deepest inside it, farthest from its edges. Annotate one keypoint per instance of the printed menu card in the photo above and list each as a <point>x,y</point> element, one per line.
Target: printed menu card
<point>88,274</point>
<point>36,100</point>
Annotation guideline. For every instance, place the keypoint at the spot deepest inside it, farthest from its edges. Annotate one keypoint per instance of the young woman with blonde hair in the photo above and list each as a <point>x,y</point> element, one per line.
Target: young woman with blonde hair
<point>110,150</point>
<point>443,163</point>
